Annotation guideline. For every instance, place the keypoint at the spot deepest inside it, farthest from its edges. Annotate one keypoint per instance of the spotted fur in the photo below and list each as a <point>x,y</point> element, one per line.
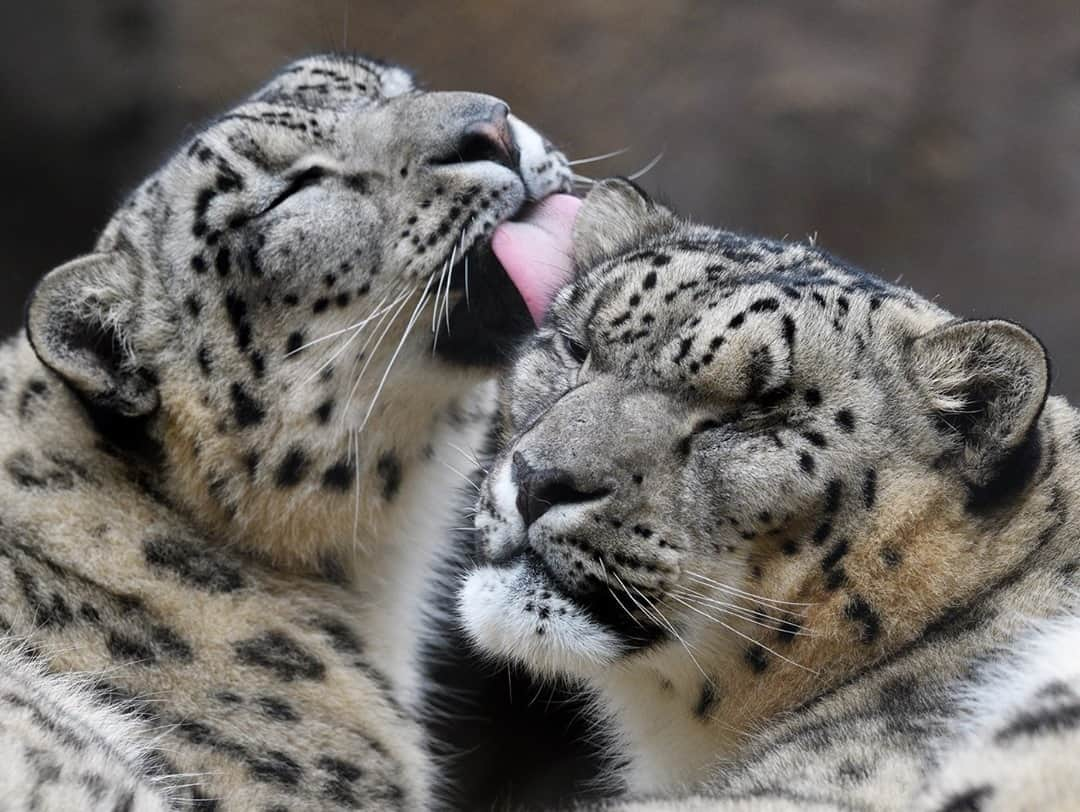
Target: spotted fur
<point>223,464</point>
<point>773,513</point>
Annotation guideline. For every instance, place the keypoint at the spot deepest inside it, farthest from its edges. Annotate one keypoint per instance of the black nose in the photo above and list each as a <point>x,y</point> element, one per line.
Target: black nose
<point>487,137</point>
<point>541,489</point>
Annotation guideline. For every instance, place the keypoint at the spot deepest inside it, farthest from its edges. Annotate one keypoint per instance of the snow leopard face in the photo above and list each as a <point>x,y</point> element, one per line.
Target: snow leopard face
<point>739,448</point>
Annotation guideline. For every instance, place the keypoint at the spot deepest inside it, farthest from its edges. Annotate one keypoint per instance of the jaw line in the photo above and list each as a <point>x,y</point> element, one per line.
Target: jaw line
<point>492,608</point>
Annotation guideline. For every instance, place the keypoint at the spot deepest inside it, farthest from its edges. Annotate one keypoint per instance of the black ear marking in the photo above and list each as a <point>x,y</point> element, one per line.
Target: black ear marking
<point>985,383</point>
<point>78,322</point>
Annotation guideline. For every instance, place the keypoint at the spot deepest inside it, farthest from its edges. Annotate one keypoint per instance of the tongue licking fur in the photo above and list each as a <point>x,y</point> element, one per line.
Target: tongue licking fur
<point>535,251</point>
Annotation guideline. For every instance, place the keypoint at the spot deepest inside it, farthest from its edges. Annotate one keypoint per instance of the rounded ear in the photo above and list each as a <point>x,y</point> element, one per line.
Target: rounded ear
<point>617,216</point>
<point>986,383</point>
<point>78,321</point>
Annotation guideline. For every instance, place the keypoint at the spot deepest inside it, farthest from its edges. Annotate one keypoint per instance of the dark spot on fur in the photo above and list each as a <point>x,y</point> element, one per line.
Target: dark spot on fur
<point>339,476</point>
<point>277,652</point>
<point>277,768</point>
<point>756,658</point>
<point>845,420</point>
<point>832,558</point>
<point>706,701</point>
<point>323,412</point>
<point>294,342</point>
<point>859,611</point>
<point>246,410</point>
<point>869,488</point>
<point>342,638</point>
<point>832,495</point>
<point>835,578</point>
<point>292,468</point>
<point>970,800</point>
<point>129,650</point>
<point>277,709</point>
<point>891,557</point>
<point>237,310</point>
<point>389,470</point>
<point>193,563</point>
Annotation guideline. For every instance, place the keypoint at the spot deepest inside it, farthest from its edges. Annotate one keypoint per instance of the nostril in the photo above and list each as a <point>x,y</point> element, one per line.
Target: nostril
<point>541,490</point>
<point>484,140</point>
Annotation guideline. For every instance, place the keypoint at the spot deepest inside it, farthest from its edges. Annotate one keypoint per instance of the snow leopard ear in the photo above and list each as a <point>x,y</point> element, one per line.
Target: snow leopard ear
<point>79,322</point>
<point>616,217</point>
<point>986,383</point>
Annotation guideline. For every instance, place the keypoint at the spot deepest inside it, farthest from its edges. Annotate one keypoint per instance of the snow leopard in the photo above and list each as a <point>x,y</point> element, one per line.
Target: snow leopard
<point>226,446</point>
<point>786,524</point>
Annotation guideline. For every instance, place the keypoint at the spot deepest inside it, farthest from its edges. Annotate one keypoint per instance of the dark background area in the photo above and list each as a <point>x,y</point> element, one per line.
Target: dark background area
<point>935,141</point>
<point>932,141</point>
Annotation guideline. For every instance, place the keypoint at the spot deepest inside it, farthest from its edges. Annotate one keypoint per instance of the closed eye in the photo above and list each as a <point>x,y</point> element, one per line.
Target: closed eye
<point>578,351</point>
<point>309,177</point>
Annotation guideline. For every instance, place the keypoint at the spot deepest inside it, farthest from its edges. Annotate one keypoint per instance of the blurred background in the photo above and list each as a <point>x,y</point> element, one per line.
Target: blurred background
<point>934,141</point>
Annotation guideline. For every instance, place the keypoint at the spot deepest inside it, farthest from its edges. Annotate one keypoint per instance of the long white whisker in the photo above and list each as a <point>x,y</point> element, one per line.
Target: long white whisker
<point>438,290</point>
<point>336,333</point>
<point>468,455</point>
<point>461,474</point>
<point>726,588</point>
<point>337,353</point>
<point>746,637</point>
<point>372,353</point>
<point>648,167</point>
<point>622,606</point>
<point>666,623</point>
<point>595,158</point>
<point>390,365</point>
<point>446,295</point>
<point>465,262</point>
<point>758,619</point>
<point>762,609</point>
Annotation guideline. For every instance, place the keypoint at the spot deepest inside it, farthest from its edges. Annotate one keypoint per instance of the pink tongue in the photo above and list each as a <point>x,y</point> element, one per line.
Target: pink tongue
<point>535,251</point>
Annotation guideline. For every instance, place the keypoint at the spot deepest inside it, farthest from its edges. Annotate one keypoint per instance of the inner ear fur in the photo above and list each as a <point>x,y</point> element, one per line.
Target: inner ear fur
<point>616,217</point>
<point>79,322</point>
<point>986,382</point>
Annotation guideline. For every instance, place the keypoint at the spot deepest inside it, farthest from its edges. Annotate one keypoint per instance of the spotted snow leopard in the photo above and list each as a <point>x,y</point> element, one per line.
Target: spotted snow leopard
<point>223,470</point>
<point>789,524</point>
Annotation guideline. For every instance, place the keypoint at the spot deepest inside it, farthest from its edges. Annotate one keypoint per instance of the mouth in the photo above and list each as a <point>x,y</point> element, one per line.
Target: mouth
<point>504,285</point>
<point>611,607</point>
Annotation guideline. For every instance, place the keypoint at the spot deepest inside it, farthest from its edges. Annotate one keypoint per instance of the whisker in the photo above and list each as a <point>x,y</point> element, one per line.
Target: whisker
<point>461,474</point>
<point>446,295</point>
<point>471,457</point>
<point>336,333</point>
<point>746,637</point>
<point>648,167</point>
<point>665,623</point>
<point>756,618</point>
<point>371,355</point>
<point>438,292</point>
<point>595,158</point>
<point>757,608</point>
<point>401,343</point>
<point>751,595</point>
<point>468,304</point>
<point>337,353</point>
